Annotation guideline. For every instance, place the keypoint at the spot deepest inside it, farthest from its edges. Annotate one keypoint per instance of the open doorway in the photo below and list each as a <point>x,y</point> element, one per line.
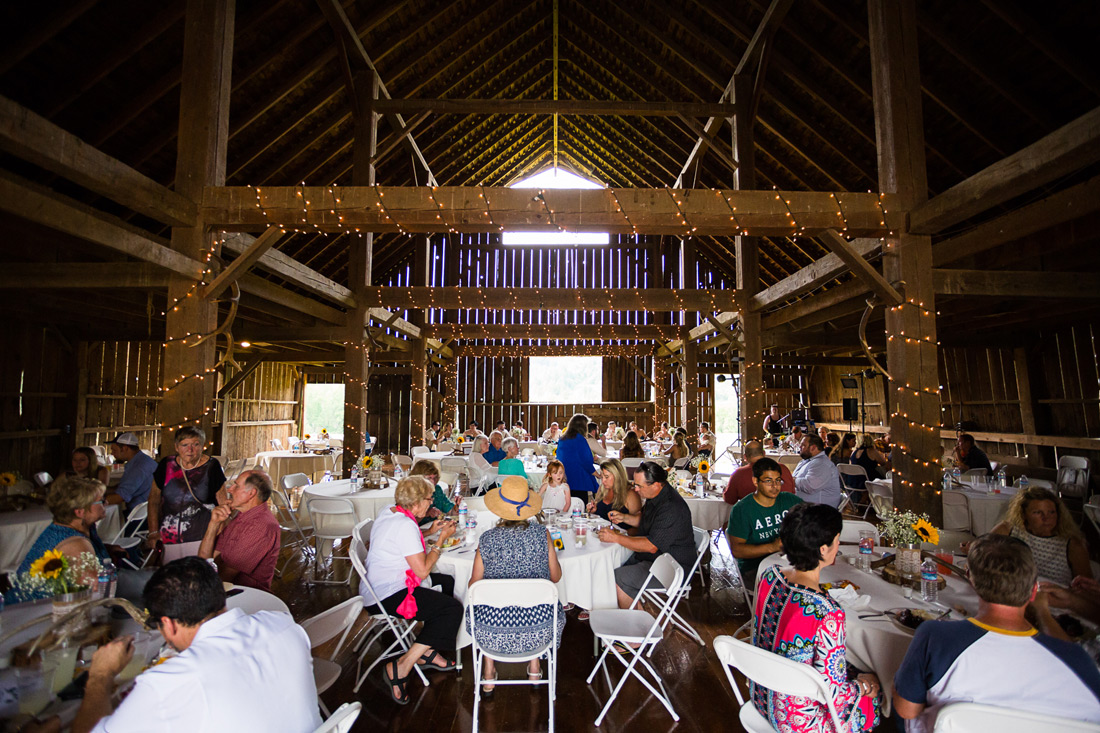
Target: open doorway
<point>727,427</point>
<point>324,408</point>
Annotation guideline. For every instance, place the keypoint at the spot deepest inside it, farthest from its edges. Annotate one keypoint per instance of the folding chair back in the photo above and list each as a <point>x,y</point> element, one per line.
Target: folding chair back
<point>402,460</point>
<point>296,481</point>
<point>971,717</point>
<point>658,595</point>
<point>882,499</point>
<point>276,444</point>
<point>1073,476</point>
<point>419,450</point>
<point>341,720</point>
<point>956,511</point>
<point>325,626</point>
<point>43,479</point>
<point>774,672</point>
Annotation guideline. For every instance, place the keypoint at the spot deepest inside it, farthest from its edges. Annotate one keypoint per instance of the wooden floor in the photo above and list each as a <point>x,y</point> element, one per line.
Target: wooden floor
<point>692,673</point>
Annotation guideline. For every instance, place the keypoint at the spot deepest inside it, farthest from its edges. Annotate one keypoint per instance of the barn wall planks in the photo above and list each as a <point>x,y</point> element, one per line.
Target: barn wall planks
<point>262,407</point>
<point>122,392</point>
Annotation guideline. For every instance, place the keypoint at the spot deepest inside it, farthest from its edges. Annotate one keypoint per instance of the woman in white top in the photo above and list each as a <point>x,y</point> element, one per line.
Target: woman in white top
<point>398,564</point>
<point>1038,517</point>
<point>477,454</point>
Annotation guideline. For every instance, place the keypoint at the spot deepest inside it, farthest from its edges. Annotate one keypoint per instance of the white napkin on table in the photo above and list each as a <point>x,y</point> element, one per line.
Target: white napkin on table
<point>850,598</point>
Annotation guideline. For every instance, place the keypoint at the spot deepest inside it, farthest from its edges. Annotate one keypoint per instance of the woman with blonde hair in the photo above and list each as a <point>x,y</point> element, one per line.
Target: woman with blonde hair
<point>867,456</point>
<point>399,569</point>
<point>679,448</point>
<point>615,492</point>
<point>1038,517</point>
<point>85,463</point>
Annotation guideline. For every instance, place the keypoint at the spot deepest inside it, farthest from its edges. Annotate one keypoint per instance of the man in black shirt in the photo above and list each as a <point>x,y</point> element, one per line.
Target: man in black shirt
<point>969,456</point>
<point>662,526</point>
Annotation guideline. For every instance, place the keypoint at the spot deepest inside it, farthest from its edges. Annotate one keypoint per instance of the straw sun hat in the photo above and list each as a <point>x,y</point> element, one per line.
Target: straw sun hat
<point>514,500</point>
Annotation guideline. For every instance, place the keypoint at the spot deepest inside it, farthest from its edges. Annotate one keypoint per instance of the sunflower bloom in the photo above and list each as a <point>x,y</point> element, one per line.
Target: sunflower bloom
<point>7,478</point>
<point>704,466</point>
<point>926,531</point>
<point>50,565</point>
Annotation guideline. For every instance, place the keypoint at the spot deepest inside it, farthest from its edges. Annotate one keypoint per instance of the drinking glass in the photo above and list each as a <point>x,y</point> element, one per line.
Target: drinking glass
<point>580,532</point>
<point>146,646</point>
<point>866,547</point>
<point>33,687</point>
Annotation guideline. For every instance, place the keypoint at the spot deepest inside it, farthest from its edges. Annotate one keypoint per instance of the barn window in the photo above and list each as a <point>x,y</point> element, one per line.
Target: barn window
<point>555,178</point>
<point>566,379</point>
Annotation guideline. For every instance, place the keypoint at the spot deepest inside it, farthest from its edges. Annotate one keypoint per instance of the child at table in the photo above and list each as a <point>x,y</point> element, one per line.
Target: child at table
<point>554,491</point>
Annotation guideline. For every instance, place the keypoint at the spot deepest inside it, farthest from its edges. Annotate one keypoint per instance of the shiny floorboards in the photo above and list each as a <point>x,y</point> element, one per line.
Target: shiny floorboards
<point>692,673</point>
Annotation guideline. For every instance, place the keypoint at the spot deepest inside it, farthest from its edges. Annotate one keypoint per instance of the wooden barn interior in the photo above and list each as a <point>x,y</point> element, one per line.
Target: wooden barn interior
<point>795,191</point>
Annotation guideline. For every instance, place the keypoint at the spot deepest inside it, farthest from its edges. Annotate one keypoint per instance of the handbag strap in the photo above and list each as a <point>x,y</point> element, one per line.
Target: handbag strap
<point>187,481</point>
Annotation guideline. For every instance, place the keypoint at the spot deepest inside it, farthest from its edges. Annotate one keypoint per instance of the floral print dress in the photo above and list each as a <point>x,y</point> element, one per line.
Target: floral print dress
<point>807,626</point>
<point>186,501</point>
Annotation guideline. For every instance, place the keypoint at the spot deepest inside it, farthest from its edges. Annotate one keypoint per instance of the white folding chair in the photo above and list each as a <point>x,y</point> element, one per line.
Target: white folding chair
<point>333,519</point>
<point>233,469</point>
<point>774,672</point>
<point>446,446</point>
<point>453,464</point>
<point>972,717</point>
<point>850,469</point>
<point>293,484</point>
<point>632,464</point>
<point>402,460</point>
<point>291,533</point>
<point>131,535</point>
<point>381,622</point>
<point>419,450</point>
<point>276,444</point>
<point>479,480</point>
<point>635,626</point>
<point>1073,477</point>
<point>882,499</point>
<point>576,504</point>
<point>851,528</point>
<point>292,442</point>
<point>325,626</point>
<point>660,595</point>
<point>524,593</point>
<point>956,511</point>
<point>101,454</point>
<point>681,462</point>
<point>341,720</point>
<point>43,479</point>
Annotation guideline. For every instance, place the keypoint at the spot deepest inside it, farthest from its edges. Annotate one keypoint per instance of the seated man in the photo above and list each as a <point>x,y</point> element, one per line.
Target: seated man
<point>137,477</point>
<point>742,483</point>
<point>707,440</point>
<point>496,453</point>
<point>246,547</point>
<point>234,672</point>
<point>753,527</point>
<point>552,434</point>
<point>431,435</point>
<point>614,432</point>
<point>969,456</point>
<point>816,478</point>
<point>995,658</point>
<point>663,526</point>
<point>793,442</point>
<point>595,441</point>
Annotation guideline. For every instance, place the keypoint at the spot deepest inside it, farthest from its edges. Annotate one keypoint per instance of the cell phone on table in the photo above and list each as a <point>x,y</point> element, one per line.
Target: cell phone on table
<point>234,592</point>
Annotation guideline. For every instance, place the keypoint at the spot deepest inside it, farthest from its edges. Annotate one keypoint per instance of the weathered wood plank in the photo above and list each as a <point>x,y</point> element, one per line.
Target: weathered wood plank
<point>1069,148</point>
<point>492,350</point>
<point>479,210</point>
<point>860,267</point>
<point>812,275</point>
<point>241,264</point>
<point>293,271</point>
<point>37,140</point>
<point>533,331</point>
<point>651,299</point>
<point>82,275</point>
<point>267,290</point>
<point>1017,284</point>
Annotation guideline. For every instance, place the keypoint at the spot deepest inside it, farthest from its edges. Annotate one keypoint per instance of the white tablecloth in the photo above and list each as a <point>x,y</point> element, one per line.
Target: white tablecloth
<point>875,644</point>
<point>587,573</point>
<point>279,463</point>
<point>367,503</point>
<point>19,530</point>
<point>710,513</point>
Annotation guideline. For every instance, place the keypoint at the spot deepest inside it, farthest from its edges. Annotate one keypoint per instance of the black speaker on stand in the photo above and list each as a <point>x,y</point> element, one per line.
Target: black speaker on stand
<point>851,411</point>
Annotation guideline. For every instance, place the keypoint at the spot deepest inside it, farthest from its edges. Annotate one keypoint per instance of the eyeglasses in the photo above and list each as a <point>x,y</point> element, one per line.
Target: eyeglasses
<point>769,481</point>
<point>97,503</point>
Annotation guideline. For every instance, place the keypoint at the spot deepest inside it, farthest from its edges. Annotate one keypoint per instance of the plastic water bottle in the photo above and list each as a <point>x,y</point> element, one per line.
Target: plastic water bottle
<point>929,581</point>
<point>1023,483</point>
<point>1002,480</point>
<point>947,481</point>
<point>103,582</point>
<point>398,472</point>
<point>956,475</point>
<point>112,578</point>
<point>327,477</point>
<point>463,511</point>
<point>355,476</point>
<point>699,485</point>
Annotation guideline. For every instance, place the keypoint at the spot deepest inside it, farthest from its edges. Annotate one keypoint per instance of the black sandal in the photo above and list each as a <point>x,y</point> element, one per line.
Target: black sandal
<point>426,663</point>
<point>398,682</point>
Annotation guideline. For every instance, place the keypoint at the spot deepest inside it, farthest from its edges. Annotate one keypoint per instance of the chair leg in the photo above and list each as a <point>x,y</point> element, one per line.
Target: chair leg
<point>324,708</point>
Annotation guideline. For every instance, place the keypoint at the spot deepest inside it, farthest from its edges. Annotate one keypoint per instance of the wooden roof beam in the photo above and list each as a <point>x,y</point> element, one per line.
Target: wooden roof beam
<point>620,211</point>
<point>555,350</point>
<point>37,140</point>
<point>556,107</point>
<point>812,276</point>
<point>293,271</point>
<point>82,276</point>
<point>543,331</point>
<point>550,299</point>
<point>1017,284</point>
<point>860,267</point>
<point>241,264</point>
<point>1067,149</point>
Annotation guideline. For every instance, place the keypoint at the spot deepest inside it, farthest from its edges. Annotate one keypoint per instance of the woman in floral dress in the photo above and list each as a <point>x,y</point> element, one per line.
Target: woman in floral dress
<point>798,620</point>
<point>185,489</point>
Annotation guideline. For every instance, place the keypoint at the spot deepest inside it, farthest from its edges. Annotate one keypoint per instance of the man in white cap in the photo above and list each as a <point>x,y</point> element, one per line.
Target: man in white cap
<point>137,478</point>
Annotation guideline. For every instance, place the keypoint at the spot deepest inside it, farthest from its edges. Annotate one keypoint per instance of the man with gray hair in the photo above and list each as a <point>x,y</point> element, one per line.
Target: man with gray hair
<point>997,657</point>
<point>495,452</point>
<point>246,546</point>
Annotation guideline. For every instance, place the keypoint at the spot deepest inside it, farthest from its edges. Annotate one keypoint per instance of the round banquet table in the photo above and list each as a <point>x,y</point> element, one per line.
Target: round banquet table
<point>875,644</point>
<point>19,530</point>
<point>709,513</point>
<point>790,460</point>
<point>367,502</point>
<point>279,463</point>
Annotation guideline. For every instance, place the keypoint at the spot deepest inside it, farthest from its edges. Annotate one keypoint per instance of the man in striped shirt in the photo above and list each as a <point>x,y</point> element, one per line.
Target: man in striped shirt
<point>246,546</point>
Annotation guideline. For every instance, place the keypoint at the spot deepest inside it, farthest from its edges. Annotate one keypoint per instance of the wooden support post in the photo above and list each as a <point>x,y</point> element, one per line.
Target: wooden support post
<point>912,350</point>
<point>1027,403</point>
<point>751,400</point>
<point>188,377</point>
<point>356,354</point>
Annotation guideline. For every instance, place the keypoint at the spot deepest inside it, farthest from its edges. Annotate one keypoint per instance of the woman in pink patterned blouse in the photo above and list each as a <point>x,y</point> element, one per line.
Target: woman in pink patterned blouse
<point>798,620</point>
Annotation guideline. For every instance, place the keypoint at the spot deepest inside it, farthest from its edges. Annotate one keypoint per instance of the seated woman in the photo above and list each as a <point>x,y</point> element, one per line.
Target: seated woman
<point>798,620</point>
<point>554,492</point>
<point>842,453</point>
<point>76,505</point>
<point>1038,517</point>
<point>477,454</point>
<point>632,447</point>
<point>633,428</point>
<point>85,463</point>
<point>511,465</point>
<point>869,457</point>
<point>398,564</point>
<point>663,433</point>
<point>440,503</point>
<point>515,549</point>
<point>614,493</point>
<point>679,448</point>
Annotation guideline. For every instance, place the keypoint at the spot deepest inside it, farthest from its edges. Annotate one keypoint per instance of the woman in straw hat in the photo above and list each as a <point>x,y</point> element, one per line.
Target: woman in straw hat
<point>398,564</point>
<point>514,549</point>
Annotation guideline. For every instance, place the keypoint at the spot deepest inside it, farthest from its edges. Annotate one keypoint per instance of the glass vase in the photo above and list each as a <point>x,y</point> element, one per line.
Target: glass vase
<point>908,561</point>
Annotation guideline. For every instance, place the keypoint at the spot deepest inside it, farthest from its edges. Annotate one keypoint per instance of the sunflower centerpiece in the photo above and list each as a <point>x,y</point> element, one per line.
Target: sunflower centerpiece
<point>68,582</point>
<point>907,530</point>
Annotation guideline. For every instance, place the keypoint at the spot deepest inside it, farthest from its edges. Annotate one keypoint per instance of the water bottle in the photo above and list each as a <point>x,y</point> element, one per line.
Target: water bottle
<point>947,481</point>
<point>103,582</point>
<point>1023,483</point>
<point>699,485</point>
<point>327,477</point>
<point>463,511</point>
<point>956,475</point>
<point>1002,480</point>
<point>398,473</point>
<point>112,578</point>
<point>929,581</point>
<point>355,477</point>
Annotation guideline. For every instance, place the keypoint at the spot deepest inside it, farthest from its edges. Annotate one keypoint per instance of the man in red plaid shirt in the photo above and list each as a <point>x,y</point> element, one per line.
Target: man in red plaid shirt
<point>246,547</point>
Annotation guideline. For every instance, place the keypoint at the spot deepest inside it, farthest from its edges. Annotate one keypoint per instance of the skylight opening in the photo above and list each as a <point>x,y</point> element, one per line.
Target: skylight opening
<point>556,178</point>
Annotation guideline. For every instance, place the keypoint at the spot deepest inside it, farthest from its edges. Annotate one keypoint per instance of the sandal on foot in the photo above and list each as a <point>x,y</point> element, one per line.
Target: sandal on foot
<point>583,616</point>
<point>426,662</point>
<point>532,676</point>
<point>394,681</point>
<point>488,690</point>
<point>568,607</point>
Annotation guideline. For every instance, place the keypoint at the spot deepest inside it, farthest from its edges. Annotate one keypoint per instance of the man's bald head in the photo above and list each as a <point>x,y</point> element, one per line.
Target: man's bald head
<point>754,451</point>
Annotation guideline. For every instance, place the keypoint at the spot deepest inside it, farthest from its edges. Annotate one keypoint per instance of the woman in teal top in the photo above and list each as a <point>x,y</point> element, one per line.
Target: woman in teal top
<point>510,465</point>
<point>440,503</point>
